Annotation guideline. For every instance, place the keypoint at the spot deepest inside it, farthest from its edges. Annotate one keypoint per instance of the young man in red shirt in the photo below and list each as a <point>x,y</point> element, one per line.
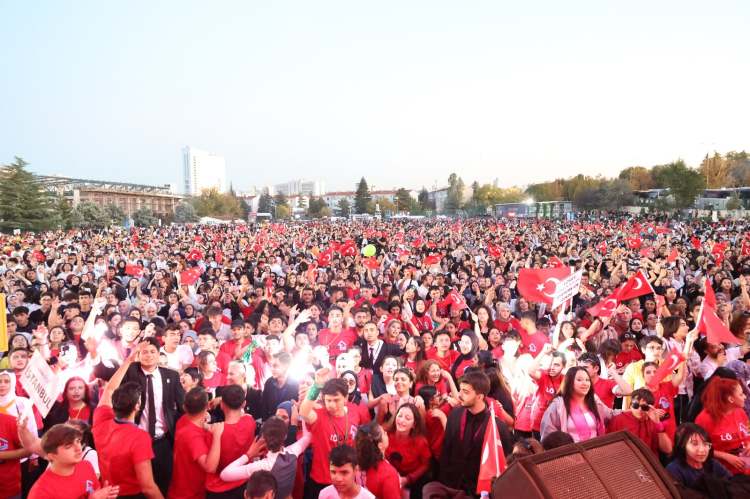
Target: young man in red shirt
<point>11,453</point>
<point>192,457</point>
<point>331,426</point>
<point>337,339</point>
<point>548,382</point>
<point>236,348</point>
<point>532,340</point>
<point>642,420</point>
<point>236,438</point>
<point>68,476</point>
<point>605,389</point>
<point>124,449</point>
<point>442,352</point>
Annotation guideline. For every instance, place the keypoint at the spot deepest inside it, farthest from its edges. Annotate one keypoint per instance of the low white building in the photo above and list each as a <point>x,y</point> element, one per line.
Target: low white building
<point>440,197</point>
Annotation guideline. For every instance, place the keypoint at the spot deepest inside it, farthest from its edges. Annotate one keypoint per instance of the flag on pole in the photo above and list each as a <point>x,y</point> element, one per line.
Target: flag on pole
<point>493,457</point>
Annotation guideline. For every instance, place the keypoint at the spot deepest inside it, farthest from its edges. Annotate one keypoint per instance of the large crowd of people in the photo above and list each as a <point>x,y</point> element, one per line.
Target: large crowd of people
<point>365,359</point>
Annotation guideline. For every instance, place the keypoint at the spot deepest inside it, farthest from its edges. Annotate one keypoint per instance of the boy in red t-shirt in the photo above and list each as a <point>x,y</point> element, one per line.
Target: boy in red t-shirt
<point>236,439</point>
<point>442,352</point>
<point>643,422</point>
<point>532,341</point>
<point>629,353</point>
<point>548,382</point>
<point>192,457</point>
<point>331,425</point>
<point>68,477</point>
<point>664,394</point>
<point>336,338</point>
<point>11,452</point>
<point>124,449</point>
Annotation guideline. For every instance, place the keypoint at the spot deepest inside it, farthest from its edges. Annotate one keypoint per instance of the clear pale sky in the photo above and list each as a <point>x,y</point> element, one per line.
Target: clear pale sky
<point>402,92</point>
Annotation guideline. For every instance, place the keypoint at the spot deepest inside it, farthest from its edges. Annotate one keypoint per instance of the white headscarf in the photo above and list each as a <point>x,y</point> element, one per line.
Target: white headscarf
<point>15,405</point>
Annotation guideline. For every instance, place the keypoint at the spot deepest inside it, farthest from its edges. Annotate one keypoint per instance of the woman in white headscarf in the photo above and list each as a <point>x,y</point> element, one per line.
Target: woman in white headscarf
<point>10,403</point>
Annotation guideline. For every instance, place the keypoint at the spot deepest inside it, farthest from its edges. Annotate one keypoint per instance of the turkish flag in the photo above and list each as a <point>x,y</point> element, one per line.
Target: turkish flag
<point>637,285</point>
<point>418,242</point>
<point>709,296</point>
<point>403,254</point>
<point>325,257</point>
<point>493,457</point>
<point>430,244</point>
<point>399,238</point>
<point>135,270</point>
<point>195,255</point>
<point>745,249</point>
<point>602,247</point>
<point>696,242</point>
<point>38,255</point>
<point>433,260</point>
<point>198,239</point>
<point>219,257</point>
<point>633,242</point>
<point>334,245</point>
<point>660,300</point>
<point>348,250</point>
<point>371,263</point>
<point>646,252</point>
<point>606,307</point>
<point>457,303</point>
<point>556,263</point>
<point>539,285</point>
<point>667,367</point>
<point>717,250</point>
<point>710,324</point>
<point>493,250</point>
<point>191,276</point>
<point>563,238</point>
<point>672,256</point>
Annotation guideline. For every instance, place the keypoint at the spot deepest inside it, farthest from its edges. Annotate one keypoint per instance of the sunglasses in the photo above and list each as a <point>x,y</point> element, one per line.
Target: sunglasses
<point>643,407</point>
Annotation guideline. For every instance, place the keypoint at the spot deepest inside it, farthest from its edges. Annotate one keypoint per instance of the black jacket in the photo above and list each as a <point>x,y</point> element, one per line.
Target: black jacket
<point>60,413</point>
<point>273,396</point>
<point>173,395</point>
<point>386,350</point>
<point>459,470</point>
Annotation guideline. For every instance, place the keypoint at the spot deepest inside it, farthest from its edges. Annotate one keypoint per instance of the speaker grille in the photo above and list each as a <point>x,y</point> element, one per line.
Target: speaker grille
<point>570,477</point>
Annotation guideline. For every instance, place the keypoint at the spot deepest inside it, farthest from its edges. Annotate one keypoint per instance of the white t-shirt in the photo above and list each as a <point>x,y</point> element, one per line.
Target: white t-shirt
<point>330,493</point>
<point>183,356</point>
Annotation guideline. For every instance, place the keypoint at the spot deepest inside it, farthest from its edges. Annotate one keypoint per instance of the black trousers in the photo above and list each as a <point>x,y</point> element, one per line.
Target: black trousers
<point>161,464</point>
<point>313,488</point>
<point>681,408</point>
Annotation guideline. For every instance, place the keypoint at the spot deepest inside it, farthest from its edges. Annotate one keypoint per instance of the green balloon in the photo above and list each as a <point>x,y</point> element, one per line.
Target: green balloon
<point>369,250</point>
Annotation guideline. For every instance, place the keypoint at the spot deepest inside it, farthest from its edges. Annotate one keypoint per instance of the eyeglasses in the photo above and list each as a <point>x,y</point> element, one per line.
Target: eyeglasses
<point>643,407</point>
<point>351,382</point>
<point>701,445</point>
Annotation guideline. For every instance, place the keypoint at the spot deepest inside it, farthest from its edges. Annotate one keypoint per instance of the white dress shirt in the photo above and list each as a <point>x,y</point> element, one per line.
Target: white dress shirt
<point>161,426</point>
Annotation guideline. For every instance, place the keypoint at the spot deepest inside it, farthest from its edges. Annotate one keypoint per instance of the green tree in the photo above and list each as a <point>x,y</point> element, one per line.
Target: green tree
<point>343,209</point>
<point>184,213</point>
<point>265,203</point>
<point>415,207</point>
<point>144,217</point>
<point>455,195</point>
<point>211,202</point>
<point>734,203</point>
<point>362,197</point>
<point>93,216</point>
<point>76,220</point>
<point>244,207</point>
<point>684,183</point>
<point>303,202</point>
<point>318,208</point>
<point>64,213</point>
<point>280,200</point>
<point>116,214</point>
<point>403,199</point>
<point>639,177</point>
<point>423,198</point>
<point>282,211</point>
<point>23,202</point>
<point>383,203</point>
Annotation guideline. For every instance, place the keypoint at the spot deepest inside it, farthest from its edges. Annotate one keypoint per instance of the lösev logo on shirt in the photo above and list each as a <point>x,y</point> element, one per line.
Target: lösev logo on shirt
<point>340,438</point>
<point>3,444</point>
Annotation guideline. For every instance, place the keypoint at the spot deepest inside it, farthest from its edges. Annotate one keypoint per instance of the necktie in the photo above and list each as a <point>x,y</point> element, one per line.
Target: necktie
<point>151,405</point>
<point>372,355</point>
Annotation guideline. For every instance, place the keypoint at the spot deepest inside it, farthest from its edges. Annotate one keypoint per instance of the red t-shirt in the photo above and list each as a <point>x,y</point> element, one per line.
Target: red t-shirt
<point>548,387</point>
<point>84,413</point>
<point>325,436</point>
<point>365,377</point>
<point>423,323</point>
<point>624,359</point>
<point>120,447</point>
<point>445,363</point>
<point>229,347</point>
<point>730,433</point>
<point>384,482</point>
<point>532,343</point>
<point>408,455</point>
<point>222,362</point>
<point>463,365</point>
<point>504,327</point>
<point>188,478</point>
<point>361,301</point>
<point>498,351</point>
<point>80,485</point>
<point>235,441</point>
<point>441,386</point>
<point>603,389</point>
<point>218,379</point>
<point>10,470</point>
<point>645,429</point>
<point>435,430</point>
<point>664,396</point>
<point>412,364</point>
<point>337,343</point>
<point>362,410</point>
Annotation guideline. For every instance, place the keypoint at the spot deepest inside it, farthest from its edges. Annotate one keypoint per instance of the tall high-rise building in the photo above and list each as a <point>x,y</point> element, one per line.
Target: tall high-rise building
<point>202,170</point>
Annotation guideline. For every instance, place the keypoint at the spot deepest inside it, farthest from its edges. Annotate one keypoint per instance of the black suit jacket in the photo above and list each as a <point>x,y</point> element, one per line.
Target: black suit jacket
<point>173,395</point>
<point>456,466</point>
<point>386,350</point>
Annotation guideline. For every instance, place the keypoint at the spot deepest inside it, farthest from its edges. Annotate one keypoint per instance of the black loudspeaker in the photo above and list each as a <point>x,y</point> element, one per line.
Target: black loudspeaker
<point>617,466</point>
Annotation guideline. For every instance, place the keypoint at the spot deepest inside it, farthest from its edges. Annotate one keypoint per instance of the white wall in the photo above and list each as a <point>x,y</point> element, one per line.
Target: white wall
<point>202,170</point>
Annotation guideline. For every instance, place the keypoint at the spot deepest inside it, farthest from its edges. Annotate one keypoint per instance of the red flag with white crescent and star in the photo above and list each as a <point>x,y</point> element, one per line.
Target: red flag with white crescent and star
<point>493,457</point>
<point>191,276</point>
<point>538,285</point>
<point>637,285</point>
<point>606,307</point>
<point>668,365</point>
<point>455,300</point>
<point>133,270</point>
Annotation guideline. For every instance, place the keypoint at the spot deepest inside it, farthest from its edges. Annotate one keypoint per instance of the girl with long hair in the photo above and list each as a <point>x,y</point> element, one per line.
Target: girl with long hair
<point>431,374</point>
<point>693,455</point>
<point>415,354</point>
<point>381,478</point>
<point>576,409</point>
<point>402,382</point>
<point>407,437</point>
